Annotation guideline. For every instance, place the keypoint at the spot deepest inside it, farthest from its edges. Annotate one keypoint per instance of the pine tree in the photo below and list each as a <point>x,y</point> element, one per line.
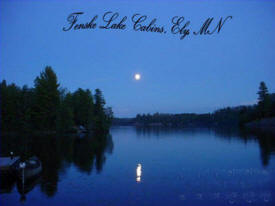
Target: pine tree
<point>263,92</point>
<point>65,121</point>
<point>83,105</point>
<point>99,102</point>
<point>102,116</point>
<point>46,99</point>
<point>263,101</point>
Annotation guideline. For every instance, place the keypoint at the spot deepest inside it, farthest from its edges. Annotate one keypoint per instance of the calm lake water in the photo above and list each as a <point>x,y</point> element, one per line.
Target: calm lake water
<point>146,167</point>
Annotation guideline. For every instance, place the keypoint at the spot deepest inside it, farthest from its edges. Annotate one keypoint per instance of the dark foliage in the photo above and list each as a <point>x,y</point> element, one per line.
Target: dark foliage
<point>230,116</point>
<point>47,107</point>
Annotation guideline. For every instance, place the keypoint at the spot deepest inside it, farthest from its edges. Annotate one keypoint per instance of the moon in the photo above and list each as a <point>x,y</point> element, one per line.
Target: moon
<point>137,76</point>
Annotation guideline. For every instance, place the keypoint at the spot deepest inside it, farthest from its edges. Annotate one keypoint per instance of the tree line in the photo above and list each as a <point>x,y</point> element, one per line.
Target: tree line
<point>49,107</point>
<point>229,116</point>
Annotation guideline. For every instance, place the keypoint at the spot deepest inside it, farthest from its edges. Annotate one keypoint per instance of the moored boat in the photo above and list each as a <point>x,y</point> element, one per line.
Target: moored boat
<point>28,168</point>
<point>6,163</point>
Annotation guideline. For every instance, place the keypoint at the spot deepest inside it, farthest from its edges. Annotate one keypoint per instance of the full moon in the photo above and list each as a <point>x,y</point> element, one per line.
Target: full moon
<point>137,76</point>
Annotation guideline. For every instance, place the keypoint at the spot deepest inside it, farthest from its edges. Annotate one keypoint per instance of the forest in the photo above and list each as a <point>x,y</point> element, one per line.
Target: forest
<point>47,107</point>
<point>50,108</point>
<point>229,116</point>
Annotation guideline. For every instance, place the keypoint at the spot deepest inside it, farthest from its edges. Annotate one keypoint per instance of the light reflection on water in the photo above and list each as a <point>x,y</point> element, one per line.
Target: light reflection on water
<point>183,167</point>
<point>138,171</point>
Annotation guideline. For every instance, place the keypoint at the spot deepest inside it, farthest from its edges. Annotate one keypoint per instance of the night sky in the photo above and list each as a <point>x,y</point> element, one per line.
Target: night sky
<point>197,74</point>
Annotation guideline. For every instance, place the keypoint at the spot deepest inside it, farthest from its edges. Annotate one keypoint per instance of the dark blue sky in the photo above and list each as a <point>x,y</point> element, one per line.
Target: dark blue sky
<point>197,74</point>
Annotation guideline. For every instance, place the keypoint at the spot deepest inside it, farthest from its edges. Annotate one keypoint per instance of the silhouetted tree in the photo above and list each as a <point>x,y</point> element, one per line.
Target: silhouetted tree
<point>65,115</point>
<point>46,99</point>
<point>49,107</point>
<point>264,103</point>
<point>102,116</point>
<point>83,105</point>
<point>11,114</point>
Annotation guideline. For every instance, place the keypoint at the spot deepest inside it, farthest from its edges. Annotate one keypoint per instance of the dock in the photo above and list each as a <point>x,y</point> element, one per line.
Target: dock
<point>6,162</point>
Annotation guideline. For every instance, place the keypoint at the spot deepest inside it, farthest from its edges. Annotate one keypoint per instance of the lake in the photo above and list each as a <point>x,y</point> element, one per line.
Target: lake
<point>143,166</point>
